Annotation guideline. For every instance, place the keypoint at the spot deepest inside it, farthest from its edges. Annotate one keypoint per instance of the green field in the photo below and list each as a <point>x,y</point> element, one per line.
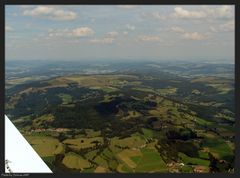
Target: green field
<point>151,161</point>
<point>195,161</point>
<point>218,147</point>
<point>65,98</point>
<point>148,133</point>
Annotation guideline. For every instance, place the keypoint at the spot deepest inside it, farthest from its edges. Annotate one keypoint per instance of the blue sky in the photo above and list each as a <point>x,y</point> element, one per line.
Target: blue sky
<point>116,32</point>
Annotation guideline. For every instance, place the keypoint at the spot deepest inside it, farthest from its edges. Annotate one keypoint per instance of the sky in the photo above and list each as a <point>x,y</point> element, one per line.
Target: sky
<point>118,32</point>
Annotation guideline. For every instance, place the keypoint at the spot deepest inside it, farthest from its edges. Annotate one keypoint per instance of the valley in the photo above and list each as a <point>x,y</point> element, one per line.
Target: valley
<point>126,117</point>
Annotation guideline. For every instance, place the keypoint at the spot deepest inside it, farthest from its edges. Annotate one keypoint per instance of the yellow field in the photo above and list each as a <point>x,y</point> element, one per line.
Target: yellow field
<point>45,118</point>
<point>43,145</point>
<point>81,143</point>
<point>165,91</point>
<point>107,83</point>
<point>21,80</point>
<point>101,162</point>
<point>126,154</point>
<point>141,160</point>
<point>75,161</point>
<point>60,149</point>
<point>150,90</point>
<point>223,85</point>
<point>132,142</point>
<point>132,114</point>
<point>210,79</point>
<point>96,80</point>
<point>158,111</point>
<point>101,169</point>
<point>91,133</point>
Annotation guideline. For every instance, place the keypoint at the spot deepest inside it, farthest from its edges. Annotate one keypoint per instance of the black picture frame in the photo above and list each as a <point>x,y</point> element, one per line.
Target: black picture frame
<point>236,3</point>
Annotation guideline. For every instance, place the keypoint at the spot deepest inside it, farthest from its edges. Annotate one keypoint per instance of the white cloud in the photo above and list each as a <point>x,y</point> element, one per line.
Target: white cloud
<point>183,13</point>
<point>8,29</point>
<point>76,32</point>
<point>225,11</point>
<point>102,40</point>
<point>228,26</point>
<point>25,6</point>
<point>191,35</point>
<point>130,27</point>
<point>222,12</point>
<point>82,31</point>
<point>177,29</point>
<point>213,29</point>
<point>157,15</point>
<point>50,13</point>
<point>58,33</point>
<point>126,6</point>
<point>194,36</point>
<point>225,27</point>
<point>153,15</point>
<point>107,39</point>
<point>150,38</point>
<point>112,34</point>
